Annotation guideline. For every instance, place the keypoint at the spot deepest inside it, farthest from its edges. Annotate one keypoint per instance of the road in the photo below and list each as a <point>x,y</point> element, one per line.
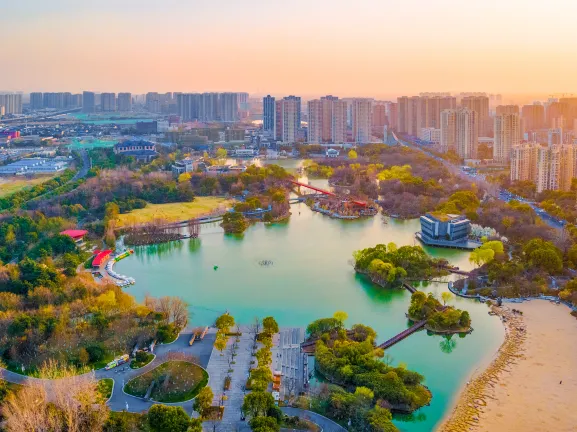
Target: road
<point>83,171</point>
<point>121,375</point>
<point>501,194</point>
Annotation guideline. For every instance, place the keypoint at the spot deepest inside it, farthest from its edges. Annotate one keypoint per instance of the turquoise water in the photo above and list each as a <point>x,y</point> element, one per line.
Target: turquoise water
<point>86,118</point>
<point>312,278</point>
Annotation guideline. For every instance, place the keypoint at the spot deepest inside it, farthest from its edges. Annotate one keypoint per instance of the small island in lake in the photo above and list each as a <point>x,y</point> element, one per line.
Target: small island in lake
<point>440,319</point>
<point>352,363</point>
<point>388,265</point>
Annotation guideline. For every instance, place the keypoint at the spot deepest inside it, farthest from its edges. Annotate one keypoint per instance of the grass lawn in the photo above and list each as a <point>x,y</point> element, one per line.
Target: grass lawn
<point>10,185</point>
<point>102,363</point>
<point>174,211</point>
<point>105,387</point>
<point>137,365</point>
<point>176,381</point>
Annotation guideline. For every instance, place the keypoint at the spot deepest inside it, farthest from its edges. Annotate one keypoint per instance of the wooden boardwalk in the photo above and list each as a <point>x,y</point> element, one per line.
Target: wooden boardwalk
<point>402,335</point>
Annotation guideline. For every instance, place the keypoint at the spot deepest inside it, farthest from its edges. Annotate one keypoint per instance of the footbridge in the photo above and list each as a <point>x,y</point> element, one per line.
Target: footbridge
<point>325,192</point>
<point>402,335</point>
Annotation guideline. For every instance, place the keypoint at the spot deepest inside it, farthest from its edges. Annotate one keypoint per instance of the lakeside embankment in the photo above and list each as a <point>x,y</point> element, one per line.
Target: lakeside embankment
<point>529,383</point>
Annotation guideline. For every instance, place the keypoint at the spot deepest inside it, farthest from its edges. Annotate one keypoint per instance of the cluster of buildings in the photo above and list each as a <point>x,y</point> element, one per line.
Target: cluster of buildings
<point>10,103</point>
<point>34,166</point>
<point>549,166</point>
<point>208,107</point>
<point>58,101</point>
<point>330,120</point>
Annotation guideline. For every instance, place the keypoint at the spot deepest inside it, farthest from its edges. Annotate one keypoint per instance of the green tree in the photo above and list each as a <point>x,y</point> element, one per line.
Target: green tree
<point>379,420</point>
<point>224,322</point>
<point>465,319</point>
<point>264,424</point>
<point>260,378</point>
<point>221,153</point>
<point>203,400</point>
<point>341,317</point>
<point>220,342</point>
<point>257,403</point>
<point>270,325</point>
<point>446,296</point>
<point>164,418</point>
<point>195,425</point>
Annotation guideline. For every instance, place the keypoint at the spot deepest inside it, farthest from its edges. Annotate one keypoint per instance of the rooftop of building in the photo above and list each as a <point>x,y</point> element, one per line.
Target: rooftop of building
<point>445,217</point>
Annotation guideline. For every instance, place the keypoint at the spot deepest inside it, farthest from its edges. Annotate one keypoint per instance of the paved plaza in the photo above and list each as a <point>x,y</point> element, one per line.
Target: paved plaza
<point>218,369</point>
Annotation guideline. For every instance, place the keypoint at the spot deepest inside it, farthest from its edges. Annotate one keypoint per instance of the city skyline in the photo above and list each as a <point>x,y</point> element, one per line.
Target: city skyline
<point>384,50</point>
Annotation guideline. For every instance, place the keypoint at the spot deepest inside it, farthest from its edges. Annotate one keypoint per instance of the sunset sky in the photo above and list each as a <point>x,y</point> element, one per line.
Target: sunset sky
<point>307,47</point>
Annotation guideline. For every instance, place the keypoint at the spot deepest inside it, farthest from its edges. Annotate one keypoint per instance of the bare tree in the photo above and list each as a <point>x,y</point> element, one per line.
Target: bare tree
<point>255,328</point>
<point>72,404</point>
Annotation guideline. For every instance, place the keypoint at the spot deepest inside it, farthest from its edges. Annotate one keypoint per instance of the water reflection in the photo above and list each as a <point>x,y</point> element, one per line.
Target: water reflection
<point>448,344</point>
<point>414,417</point>
<point>194,245</point>
<point>158,250</point>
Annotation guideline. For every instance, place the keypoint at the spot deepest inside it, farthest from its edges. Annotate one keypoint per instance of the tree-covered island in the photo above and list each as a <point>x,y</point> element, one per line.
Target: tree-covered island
<point>388,265</point>
<point>364,389</point>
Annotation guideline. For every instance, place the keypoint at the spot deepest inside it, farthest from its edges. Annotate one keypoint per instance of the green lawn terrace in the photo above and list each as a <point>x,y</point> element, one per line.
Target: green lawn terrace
<point>89,143</point>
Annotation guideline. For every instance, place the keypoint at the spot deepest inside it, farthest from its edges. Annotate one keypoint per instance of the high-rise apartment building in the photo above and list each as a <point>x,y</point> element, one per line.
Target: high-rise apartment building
<point>12,103</point>
<point>287,119</point>
<point>555,167</point>
<point>402,114</point>
<point>327,120</point>
<point>362,116</point>
<point>392,114</point>
<point>268,109</point>
<point>124,101</point>
<point>556,114</point>
<point>36,100</point>
<point>508,109</point>
<point>209,108</point>
<point>554,137</point>
<point>75,101</point>
<point>108,102</point>
<point>479,104</point>
<point>228,103</point>
<point>379,116</point>
<point>533,117</point>
<point>448,139</point>
<point>524,162</point>
<point>243,105</point>
<point>467,135</point>
<point>61,100</point>
<point>88,102</point>
<point>418,112</point>
<point>507,134</point>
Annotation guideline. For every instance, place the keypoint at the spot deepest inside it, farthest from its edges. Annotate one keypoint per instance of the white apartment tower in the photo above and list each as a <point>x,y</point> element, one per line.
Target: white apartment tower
<point>507,135</point>
<point>524,162</point>
<point>362,120</point>
<point>288,119</point>
<point>448,130</point>
<point>327,120</point>
<point>467,135</point>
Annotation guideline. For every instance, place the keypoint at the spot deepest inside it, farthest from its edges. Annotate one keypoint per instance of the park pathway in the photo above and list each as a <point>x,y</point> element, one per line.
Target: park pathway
<point>218,367</point>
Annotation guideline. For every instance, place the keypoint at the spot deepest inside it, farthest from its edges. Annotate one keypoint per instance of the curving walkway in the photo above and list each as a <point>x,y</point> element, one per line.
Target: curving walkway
<point>327,425</point>
<point>121,375</point>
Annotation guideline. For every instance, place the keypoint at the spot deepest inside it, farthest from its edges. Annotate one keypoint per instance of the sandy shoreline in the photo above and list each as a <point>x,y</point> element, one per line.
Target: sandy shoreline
<point>532,381</point>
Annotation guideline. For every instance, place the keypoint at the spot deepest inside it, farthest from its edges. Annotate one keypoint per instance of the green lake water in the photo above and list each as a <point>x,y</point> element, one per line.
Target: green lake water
<point>312,277</point>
